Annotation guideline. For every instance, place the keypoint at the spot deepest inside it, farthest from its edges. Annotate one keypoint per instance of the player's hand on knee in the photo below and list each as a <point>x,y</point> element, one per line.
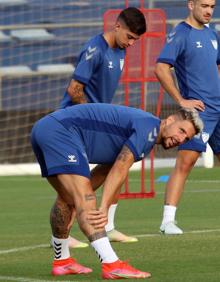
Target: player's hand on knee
<point>97,218</point>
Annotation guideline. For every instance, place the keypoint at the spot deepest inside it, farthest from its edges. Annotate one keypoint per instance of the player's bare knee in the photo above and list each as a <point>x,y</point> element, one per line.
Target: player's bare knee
<point>186,166</point>
<point>185,163</point>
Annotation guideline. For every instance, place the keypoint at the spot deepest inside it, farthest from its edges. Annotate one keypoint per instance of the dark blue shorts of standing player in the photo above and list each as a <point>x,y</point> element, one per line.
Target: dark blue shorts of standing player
<point>210,134</point>
<point>58,150</point>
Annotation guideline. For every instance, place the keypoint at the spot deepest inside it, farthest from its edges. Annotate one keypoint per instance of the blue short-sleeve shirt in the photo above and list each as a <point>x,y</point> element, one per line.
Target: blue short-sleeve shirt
<point>195,54</point>
<point>99,68</point>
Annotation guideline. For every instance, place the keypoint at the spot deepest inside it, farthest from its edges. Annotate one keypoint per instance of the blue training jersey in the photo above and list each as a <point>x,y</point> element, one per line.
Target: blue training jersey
<point>105,128</point>
<point>195,54</point>
<point>99,68</point>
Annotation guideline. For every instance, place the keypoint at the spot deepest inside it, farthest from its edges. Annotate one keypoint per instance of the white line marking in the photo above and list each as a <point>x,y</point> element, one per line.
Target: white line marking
<point>185,232</point>
<point>99,193</point>
<point>26,279</point>
<point>138,235</point>
<point>195,191</point>
<point>203,180</point>
<point>27,248</point>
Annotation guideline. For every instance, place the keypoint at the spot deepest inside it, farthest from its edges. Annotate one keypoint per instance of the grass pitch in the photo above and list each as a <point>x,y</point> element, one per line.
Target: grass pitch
<point>25,254</point>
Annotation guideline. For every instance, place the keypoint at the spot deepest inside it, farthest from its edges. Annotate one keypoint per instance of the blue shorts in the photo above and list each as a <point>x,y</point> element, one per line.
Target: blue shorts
<point>210,134</point>
<point>58,150</point>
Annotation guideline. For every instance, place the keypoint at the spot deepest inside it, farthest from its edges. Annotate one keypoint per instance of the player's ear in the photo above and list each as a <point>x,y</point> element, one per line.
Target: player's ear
<point>190,5</point>
<point>117,25</point>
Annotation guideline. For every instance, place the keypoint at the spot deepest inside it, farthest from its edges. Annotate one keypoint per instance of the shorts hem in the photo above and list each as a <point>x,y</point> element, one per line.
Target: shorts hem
<point>199,149</point>
<point>66,170</point>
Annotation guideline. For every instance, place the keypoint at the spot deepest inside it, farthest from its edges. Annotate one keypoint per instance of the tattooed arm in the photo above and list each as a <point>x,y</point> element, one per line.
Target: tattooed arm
<point>76,91</point>
<point>116,177</point>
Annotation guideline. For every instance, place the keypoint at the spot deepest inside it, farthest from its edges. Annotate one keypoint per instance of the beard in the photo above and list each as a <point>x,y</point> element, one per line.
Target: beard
<point>163,144</point>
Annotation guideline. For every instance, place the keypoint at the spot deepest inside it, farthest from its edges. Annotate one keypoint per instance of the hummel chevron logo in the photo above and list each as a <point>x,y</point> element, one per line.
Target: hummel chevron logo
<point>215,44</point>
<point>57,244</point>
<point>72,159</point>
<point>171,37</point>
<point>152,135</point>
<point>90,52</point>
<point>171,34</point>
<point>57,254</point>
<point>90,49</point>
<point>121,63</point>
<point>100,258</point>
<point>57,250</point>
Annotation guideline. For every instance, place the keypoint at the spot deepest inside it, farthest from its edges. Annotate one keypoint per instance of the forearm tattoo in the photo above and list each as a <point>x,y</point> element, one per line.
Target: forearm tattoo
<point>78,96</point>
<point>97,235</point>
<point>123,155</point>
<point>59,219</point>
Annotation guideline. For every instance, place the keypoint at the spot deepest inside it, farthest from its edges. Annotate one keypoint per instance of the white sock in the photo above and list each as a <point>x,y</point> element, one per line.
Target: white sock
<point>61,248</point>
<point>104,250</point>
<point>111,216</point>
<point>169,213</point>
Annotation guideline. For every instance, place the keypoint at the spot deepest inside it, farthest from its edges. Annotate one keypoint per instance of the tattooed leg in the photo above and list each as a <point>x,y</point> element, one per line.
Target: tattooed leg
<point>74,191</point>
<point>60,218</point>
<point>97,235</point>
<point>77,190</point>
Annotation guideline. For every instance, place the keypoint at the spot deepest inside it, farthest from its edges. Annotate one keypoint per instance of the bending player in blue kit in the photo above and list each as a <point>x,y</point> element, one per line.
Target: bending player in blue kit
<point>95,80</point>
<point>66,141</point>
<point>193,50</point>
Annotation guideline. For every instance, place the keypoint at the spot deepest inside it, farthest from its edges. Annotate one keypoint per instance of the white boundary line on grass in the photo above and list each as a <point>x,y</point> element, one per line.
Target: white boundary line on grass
<point>27,248</point>
<point>185,232</point>
<point>194,191</point>
<point>25,279</point>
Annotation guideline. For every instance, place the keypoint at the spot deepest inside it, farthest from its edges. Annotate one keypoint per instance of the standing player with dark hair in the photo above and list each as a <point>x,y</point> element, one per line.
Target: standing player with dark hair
<point>66,141</point>
<point>193,50</point>
<point>95,80</point>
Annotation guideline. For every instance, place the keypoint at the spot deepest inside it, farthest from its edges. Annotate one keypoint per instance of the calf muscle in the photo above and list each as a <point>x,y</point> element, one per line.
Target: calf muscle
<point>60,217</point>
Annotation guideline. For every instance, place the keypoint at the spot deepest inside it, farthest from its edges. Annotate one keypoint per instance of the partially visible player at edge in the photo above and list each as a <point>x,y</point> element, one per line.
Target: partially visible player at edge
<point>193,49</point>
<point>95,80</point>
<point>66,141</point>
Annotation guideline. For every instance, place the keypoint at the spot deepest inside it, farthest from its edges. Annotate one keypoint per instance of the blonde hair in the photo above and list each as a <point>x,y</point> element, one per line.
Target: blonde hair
<point>191,115</point>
